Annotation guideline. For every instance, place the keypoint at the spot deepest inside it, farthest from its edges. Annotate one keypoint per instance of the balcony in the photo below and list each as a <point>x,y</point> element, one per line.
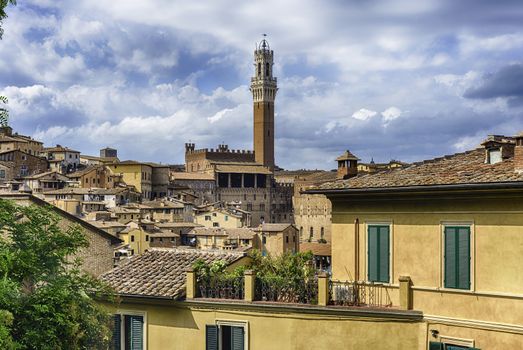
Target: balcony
<point>320,291</point>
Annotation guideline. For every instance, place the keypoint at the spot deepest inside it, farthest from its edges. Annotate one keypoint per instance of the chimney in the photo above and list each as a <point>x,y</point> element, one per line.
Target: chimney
<point>518,153</point>
<point>347,165</point>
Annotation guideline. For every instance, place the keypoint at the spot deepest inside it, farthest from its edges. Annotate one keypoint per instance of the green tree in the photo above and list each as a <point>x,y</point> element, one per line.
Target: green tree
<point>3,14</point>
<point>46,301</point>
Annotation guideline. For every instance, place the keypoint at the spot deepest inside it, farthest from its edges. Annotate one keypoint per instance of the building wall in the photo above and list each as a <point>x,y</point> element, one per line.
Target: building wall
<point>313,211</point>
<point>159,181</point>
<point>277,243</point>
<point>19,159</point>
<point>139,244</point>
<point>276,329</point>
<point>496,224</point>
<point>218,219</point>
<point>137,175</point>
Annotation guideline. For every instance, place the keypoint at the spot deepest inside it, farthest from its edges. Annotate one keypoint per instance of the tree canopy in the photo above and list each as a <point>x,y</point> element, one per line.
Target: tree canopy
<point>46,301</point>
<point>3,14</point>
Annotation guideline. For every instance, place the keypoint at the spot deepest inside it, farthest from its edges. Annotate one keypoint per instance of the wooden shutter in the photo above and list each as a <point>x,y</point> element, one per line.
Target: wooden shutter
<point>237,334</point>
<point>463,257</point>
<point>136,330</point>
<point>450,258</point>
<point>117,332</point>
<point>211,337</point>
<point>457,257</point>
<point>383,254</point>
<point>435,345</point>
<point>373,254</point>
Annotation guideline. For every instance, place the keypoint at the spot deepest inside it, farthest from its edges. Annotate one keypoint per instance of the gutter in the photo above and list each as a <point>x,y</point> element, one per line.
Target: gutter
<point>422,188</point>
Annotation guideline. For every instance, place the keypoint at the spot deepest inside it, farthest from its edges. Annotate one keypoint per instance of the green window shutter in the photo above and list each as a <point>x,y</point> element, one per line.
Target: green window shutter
<point>450,258</point>
<point>464,258</point>
<point>237,338</point>
<point>384,254</point>
<point>117,332</point>
<point>435,345</point>
<point>211,337</point>
<point>457,257</point>
<point>373,254</point>
<point>135,335</point>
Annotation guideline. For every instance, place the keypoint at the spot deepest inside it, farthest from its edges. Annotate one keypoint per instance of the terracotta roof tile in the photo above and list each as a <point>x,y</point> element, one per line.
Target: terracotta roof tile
<point>160,272</point>
<point>461,168</point>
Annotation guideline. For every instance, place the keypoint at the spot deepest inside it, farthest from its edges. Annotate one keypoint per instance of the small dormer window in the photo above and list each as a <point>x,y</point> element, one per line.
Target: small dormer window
<point>494,155</point>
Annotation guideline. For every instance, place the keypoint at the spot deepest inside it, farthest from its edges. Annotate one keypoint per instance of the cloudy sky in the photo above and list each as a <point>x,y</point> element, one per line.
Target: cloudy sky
<point>403,79</point>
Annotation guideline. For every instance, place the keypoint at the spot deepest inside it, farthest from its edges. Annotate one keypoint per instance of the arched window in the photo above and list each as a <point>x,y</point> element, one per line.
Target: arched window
<point>311,234</point>
<point>259,69</point>
<point>301,231</point>
<point>322,233</point>
<point>267,69</point>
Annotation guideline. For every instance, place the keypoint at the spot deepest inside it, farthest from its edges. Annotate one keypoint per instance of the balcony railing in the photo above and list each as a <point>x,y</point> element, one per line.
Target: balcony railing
<point>358,293</point>
<point>221,288</point>
<point>280,289</point>
<point>320,290</point>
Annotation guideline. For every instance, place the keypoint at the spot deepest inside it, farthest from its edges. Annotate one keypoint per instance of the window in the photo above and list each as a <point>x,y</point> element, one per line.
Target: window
<point>378,253</point>
<point>147,238</point>
<point>322,233</point>
<point>132,238</point>
<point>128,332</point>
<point>264,239</point>
<point>445,346</point>
<point>286,239</point>
<point>226,218</point>
<point>207,218</point>
<point>311,232</point>
<point>23,170</point>
<point>2,174</point>
<point>457,257</point>
<point>215,224</point>
<point>225,336</point>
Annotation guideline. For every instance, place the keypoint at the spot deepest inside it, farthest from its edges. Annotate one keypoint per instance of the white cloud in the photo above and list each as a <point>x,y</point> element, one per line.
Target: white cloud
<point>391,113</point>
<point>363,114</point>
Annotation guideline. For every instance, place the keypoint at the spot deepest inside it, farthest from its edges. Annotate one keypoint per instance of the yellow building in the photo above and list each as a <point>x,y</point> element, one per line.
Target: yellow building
<point>277,239</point>
<point>218,217</point>
<point>207,238</point>
<point>135,174</point>
<point>454,226</point>
<point>137,238</point>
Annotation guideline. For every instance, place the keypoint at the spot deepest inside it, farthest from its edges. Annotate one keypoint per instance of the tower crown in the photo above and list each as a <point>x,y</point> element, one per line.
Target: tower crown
<point>263,84</point>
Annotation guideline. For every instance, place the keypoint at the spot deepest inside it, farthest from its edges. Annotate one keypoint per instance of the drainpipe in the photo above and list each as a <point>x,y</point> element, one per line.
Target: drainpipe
<point>357,249</point>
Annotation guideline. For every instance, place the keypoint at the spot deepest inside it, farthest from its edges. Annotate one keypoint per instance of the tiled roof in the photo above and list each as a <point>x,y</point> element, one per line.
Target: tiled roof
<point>318,249</point>
<point>272,227</point>
<point>191,176</point>
<point>249,168</point>
<point>161,204</point>
<point>59,148</point>
<point>347,155</point>
<point>160,272</point>
<point>461,168</point>
<point>241,233</point>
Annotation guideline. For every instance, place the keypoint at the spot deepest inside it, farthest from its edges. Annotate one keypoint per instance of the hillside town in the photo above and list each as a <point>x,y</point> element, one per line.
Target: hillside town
<point>410,255</point>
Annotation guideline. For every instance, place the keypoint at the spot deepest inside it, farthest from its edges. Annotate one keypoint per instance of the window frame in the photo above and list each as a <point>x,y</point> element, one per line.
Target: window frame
<point>233,323</point>
<point>390,224</point>
<point>472,229</point>
<point>124,312</point>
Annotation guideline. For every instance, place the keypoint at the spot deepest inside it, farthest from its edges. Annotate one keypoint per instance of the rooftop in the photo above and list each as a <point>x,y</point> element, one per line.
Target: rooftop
<point>271,227</point>
<point>457,169</point>
<point>160,272</point>
<point>192,176</point>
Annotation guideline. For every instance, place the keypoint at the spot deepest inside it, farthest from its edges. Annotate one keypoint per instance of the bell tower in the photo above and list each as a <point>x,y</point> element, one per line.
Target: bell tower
<point>263,88</point>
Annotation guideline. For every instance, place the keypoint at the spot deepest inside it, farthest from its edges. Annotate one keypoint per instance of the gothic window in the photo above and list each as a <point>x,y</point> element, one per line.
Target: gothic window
<point>259,69</point>
<point>267,69</point>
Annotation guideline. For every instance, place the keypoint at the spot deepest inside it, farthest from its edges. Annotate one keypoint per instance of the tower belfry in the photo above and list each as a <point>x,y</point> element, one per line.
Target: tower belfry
<point>263,88</point>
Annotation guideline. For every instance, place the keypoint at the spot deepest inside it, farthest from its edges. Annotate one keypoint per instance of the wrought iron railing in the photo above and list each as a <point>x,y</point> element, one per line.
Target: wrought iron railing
<point>279,289</point>
<point>358,293</point>
<point>221,287</point>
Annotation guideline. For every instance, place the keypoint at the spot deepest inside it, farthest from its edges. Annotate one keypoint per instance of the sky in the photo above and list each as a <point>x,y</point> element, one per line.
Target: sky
<point>406,80</point>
